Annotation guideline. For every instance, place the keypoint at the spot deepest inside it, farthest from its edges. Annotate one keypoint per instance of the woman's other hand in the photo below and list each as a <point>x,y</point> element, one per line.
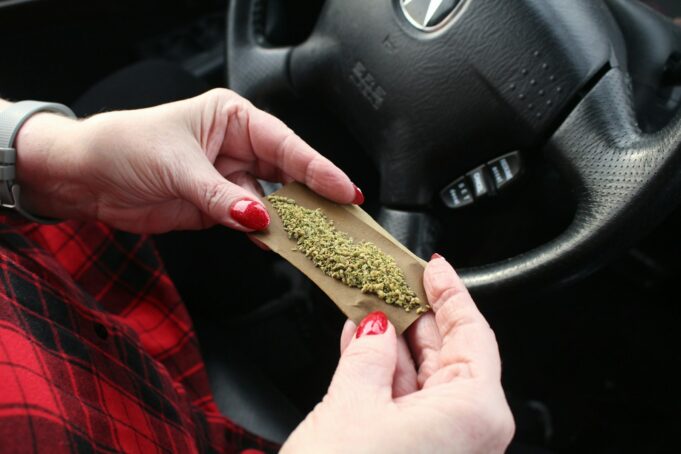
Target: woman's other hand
<point>448,398</point>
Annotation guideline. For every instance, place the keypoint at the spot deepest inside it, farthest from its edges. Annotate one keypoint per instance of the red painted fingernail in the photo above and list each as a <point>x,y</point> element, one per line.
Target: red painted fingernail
<point>374,323</point>
<point>250,214</point>
<point>359,197</point>
<point>435,256</point>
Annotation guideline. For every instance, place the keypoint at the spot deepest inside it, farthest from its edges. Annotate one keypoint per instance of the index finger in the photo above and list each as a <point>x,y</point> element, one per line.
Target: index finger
<point>469,348</point>
<point>272,142</point>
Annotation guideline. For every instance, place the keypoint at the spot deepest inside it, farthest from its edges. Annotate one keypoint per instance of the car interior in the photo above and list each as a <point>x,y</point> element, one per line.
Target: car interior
<point>536,144</point>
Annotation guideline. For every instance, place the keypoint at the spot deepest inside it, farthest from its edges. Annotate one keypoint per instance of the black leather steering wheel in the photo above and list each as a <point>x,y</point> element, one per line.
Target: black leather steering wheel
<point>432,94</point>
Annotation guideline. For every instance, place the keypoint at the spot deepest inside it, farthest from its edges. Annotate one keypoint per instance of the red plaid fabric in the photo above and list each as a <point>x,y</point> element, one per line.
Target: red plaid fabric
<point>97,351</point>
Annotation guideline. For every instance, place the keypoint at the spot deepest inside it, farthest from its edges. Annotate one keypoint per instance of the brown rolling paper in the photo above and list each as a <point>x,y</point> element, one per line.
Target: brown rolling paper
<point>354,221</point>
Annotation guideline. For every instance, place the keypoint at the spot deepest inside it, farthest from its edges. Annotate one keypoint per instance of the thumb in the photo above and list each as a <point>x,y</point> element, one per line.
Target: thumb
<point>225,202</point>
<point>368,362</point>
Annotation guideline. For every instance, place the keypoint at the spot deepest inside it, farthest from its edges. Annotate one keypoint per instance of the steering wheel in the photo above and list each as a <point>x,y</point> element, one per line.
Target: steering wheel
<point>434,88</point>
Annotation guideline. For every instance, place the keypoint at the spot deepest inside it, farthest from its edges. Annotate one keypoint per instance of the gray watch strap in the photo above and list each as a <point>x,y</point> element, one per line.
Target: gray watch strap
<point>11,121</point>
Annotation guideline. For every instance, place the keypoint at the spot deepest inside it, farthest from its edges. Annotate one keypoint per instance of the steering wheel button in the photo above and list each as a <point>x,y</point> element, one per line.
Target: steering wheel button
<point>498,178</point>
<point>479,179</point>
<point>506,169</point>
<point>458,194</point>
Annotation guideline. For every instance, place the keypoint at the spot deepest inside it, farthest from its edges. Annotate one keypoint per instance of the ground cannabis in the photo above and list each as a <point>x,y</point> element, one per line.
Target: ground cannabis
<point>360,265</point>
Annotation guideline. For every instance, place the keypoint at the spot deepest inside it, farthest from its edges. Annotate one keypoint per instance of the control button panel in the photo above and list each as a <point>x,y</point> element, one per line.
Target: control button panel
<point>505,169</point>
<point>457,194</point>
<point>484,181</point>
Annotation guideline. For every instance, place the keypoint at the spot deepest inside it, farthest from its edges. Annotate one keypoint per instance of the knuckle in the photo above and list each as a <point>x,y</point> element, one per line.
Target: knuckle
<point>221,93</point>
<point>451,316</point>
<point>227,100</point>
<point>440,279</point>
<point>283,151</point>
<point>312,171</point>
<point>442,288</point>
<point>457,370</point>
<point>214,197</point>
<point>457,310</point>
<point>366,359</point>
<point>239,106</point>
<point>366,354</point>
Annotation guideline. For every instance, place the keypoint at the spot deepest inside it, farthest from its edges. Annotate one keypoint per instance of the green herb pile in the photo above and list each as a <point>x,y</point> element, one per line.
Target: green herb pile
<point>360,265</point>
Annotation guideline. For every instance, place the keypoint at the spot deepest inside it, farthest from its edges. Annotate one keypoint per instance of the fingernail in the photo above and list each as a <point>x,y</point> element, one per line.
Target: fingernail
<point>359,197</point>
<point>435,256</point>
<point>250,214</point>
<point>374,323</point>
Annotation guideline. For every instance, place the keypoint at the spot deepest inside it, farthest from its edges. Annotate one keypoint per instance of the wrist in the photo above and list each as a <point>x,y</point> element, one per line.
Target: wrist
<point>48,154</point>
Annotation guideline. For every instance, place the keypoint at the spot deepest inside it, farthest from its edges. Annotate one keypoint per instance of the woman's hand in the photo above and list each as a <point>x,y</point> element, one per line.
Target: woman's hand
<point>448,398</point>
<point>185,165</point>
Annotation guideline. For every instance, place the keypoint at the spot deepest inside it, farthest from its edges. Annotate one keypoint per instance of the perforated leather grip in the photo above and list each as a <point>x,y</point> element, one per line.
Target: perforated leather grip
<point>625,183</point>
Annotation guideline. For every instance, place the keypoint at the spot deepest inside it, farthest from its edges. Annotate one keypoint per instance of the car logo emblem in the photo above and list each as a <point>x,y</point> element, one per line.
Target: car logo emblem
<point>428,15</point>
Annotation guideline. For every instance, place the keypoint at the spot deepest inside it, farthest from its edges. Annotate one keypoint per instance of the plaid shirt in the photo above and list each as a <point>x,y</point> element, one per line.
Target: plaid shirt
<point>97,351</point>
